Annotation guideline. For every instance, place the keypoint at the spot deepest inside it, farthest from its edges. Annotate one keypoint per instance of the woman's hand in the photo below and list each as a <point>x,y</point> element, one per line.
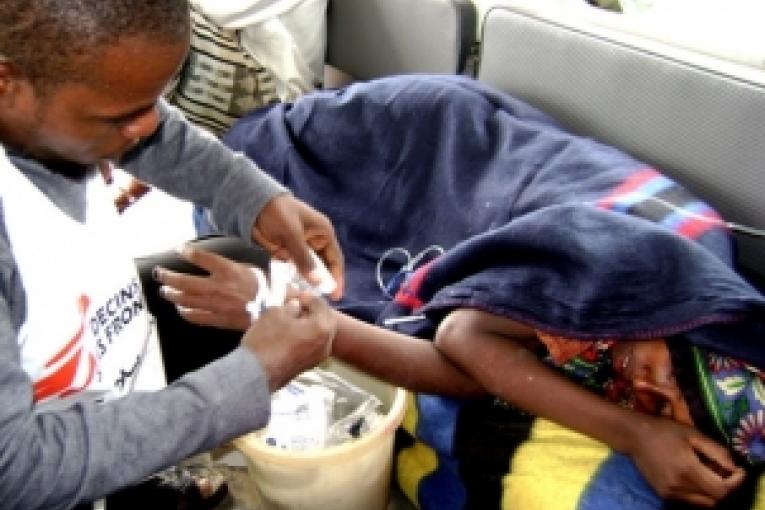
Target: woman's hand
<point>218,299</point>
<point>288,227</point>
<point>680,463</point>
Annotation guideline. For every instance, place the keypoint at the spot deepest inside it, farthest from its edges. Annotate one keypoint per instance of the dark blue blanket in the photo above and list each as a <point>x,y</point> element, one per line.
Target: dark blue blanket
<point>550,228</point>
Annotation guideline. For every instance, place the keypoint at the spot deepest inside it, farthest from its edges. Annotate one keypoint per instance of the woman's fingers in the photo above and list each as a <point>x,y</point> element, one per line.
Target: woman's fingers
<point>714,453</point>
<point>700,500</point>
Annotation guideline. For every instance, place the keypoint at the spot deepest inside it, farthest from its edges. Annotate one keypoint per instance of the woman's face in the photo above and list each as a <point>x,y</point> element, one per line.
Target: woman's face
<point>647,365</point>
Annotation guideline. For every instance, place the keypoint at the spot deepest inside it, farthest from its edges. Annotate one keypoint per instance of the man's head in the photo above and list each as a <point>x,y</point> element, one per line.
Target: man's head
<point>79,79</point>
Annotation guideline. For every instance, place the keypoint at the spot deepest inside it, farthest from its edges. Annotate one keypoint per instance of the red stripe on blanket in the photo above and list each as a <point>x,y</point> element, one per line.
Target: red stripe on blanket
<point>409,294</point>
<point>633,182</point>
<point>693,228</point>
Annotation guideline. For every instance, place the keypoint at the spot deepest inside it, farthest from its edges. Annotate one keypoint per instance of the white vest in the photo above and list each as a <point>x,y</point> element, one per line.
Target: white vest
<point>87,333</point>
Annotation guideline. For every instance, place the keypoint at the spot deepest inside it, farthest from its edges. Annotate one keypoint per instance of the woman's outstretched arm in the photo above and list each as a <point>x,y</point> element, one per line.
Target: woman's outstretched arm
<point>219,299</point>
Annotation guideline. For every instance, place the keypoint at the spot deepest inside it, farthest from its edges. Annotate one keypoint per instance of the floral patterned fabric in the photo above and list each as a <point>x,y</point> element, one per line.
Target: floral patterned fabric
<point>734,395</point>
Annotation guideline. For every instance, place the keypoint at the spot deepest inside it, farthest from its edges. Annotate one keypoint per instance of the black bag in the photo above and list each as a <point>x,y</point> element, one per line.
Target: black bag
<point>185,346</point>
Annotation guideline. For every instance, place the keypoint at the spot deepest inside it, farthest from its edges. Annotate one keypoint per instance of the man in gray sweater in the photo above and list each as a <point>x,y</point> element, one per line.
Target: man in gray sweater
<point>83,406</point>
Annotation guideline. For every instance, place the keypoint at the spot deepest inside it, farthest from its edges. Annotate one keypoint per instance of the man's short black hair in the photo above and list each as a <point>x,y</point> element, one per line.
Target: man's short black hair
<point>49,40</point>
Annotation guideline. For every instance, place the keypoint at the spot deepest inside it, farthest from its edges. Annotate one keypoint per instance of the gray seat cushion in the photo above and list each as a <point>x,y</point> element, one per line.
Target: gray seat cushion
<point>699,119</point>
<point>373,38</point>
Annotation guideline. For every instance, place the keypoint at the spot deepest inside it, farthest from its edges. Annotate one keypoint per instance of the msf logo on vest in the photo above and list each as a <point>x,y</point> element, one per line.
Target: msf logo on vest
<point>72,368</point>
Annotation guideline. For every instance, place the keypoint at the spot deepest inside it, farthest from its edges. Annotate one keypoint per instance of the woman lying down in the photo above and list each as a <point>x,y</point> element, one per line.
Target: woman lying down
<point>690,419</point>
<point>577,284</point>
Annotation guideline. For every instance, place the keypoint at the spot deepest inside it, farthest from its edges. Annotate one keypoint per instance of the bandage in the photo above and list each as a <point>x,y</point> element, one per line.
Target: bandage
<point>282,276</point>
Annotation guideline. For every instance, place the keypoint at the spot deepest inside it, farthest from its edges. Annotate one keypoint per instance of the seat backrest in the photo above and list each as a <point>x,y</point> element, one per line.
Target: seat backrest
<point>699,119</point>
<point>372,38</point>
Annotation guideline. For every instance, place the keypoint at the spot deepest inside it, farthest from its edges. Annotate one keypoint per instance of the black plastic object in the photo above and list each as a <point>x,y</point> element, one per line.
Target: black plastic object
<point>185,346</point>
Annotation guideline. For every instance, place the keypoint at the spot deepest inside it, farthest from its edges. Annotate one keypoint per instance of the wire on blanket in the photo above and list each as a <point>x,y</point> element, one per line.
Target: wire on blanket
<point>734,227</point>
<point>407,267</point>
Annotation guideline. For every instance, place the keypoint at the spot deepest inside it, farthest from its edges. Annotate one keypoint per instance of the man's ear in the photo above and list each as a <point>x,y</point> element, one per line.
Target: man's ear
<point>5,75</point>
<point>9,79</point>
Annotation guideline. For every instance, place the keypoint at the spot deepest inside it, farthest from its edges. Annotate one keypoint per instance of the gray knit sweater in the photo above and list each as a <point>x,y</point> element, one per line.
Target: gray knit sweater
<point>54,460</point>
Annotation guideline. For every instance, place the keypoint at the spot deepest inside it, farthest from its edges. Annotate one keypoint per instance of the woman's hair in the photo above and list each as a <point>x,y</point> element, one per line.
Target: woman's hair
<point>50,41</point>
<point>726,397</point>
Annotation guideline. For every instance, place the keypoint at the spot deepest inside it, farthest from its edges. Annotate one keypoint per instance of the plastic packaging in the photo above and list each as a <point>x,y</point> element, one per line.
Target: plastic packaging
<point>318,409</point>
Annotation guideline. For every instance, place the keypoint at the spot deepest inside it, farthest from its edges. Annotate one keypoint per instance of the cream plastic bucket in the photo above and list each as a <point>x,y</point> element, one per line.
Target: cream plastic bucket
<point>351,476</point>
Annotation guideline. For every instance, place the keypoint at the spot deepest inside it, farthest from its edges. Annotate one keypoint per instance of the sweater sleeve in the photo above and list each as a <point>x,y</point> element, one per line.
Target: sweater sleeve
<point>189,163</point>
<point>55,459</point>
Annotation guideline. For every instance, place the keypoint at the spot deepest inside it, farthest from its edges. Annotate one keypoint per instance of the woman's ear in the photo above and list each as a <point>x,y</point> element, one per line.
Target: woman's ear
<point>664,399</point>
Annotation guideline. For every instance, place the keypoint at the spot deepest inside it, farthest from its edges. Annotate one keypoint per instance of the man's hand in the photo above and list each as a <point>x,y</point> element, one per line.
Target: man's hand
<point>293,338</point>
<point>681,463</point>
<point>287,340</point>
<point>218,299</point>
<point>288,227</point>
